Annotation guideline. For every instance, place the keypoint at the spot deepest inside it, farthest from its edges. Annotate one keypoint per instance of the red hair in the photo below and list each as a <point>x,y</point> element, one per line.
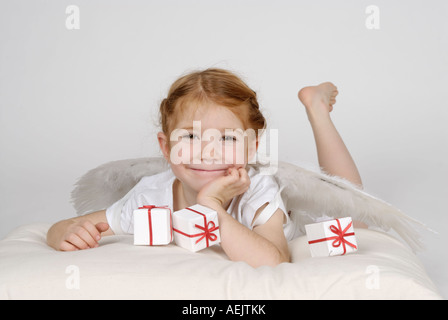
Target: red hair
<point>219,86</point>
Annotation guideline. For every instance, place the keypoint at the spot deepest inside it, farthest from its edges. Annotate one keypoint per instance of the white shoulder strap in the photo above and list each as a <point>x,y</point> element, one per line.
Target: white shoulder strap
<point>268,211</point>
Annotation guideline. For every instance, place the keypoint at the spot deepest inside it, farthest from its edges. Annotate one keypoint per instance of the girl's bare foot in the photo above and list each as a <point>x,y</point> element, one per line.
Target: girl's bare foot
<point>319,98</point>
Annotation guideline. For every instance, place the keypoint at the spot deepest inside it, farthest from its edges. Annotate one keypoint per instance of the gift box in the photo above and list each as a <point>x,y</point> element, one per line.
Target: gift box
<point>331,238</point>
<point>196,227</point>
<point>153,226</point>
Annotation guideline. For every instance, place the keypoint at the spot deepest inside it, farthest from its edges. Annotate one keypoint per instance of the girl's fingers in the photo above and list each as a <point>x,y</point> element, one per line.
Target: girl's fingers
<point>67,246</point>
<point>87,233</point>
<point>76,241</point>
<point>244,179</point>
<point>243,172</point>
<point>95,234</point>
<point>244,176</point>
<point>233,173</point>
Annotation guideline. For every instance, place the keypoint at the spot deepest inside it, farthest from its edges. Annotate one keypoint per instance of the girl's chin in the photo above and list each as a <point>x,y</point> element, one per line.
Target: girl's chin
<point>196,186</point>
<point>198,179</point>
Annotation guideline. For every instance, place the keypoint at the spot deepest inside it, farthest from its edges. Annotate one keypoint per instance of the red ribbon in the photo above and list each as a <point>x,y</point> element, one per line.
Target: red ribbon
<point>339,238</point>
<point>150,222</point>
<point>207,229</point>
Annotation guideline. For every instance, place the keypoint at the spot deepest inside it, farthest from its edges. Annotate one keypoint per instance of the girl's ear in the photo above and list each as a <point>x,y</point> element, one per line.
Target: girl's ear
<point>164,145</point>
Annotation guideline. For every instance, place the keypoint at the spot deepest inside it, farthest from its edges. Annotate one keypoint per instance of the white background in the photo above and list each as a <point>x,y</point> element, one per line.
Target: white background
<point>71,100</point>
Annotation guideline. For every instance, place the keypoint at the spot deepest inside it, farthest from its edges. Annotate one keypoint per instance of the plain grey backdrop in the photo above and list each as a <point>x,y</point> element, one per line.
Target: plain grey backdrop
<point>74,98</point>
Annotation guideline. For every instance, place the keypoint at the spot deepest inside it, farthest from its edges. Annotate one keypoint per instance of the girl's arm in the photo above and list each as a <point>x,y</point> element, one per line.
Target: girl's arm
<point>265,244</point>
<point>79,233</point>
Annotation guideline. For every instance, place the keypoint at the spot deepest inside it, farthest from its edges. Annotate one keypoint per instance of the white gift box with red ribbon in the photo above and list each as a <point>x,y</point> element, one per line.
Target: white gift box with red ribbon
<point>153,225</point>
<point>196,228</point>
<point>331,238</point>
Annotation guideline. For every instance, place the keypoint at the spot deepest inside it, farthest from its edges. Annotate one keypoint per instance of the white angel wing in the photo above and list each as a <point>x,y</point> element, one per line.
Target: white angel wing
<point>102,186</point>
<point>309,195</point>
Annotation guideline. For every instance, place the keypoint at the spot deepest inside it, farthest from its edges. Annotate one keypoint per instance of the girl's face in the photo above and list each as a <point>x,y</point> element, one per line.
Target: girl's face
<point>205,143</point>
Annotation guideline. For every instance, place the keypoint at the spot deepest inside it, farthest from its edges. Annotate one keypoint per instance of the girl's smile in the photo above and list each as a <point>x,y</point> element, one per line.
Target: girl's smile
<point>209,170</point>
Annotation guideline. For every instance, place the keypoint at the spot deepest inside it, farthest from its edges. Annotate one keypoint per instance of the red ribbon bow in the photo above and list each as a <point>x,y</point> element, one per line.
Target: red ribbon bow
<point>339,238</point>
<point>149,207</point>
<point>207,229</point>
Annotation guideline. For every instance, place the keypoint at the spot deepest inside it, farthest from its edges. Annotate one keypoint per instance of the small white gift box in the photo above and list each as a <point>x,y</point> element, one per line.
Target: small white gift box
<point>196,228</point>
<point>152,226</point>
<point>331,238</point>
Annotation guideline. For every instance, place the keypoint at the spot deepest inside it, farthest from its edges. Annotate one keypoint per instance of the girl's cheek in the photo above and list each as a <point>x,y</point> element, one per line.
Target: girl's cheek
<point>181,153</point>
<point>234,153</point>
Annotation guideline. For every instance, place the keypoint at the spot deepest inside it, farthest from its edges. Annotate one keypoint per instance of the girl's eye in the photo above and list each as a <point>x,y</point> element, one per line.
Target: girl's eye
<point>190,136</point>
<point>229,138</point>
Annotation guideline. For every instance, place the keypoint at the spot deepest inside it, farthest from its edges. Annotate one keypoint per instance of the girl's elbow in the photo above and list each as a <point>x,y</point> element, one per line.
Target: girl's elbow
<point>278,258</point>
<point>284,258</point>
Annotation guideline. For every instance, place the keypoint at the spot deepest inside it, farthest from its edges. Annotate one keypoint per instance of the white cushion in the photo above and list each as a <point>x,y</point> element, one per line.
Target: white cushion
<point>382,268</point>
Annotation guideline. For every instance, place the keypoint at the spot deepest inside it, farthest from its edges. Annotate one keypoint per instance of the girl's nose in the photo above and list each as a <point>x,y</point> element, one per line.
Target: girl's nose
<point>211,152</point>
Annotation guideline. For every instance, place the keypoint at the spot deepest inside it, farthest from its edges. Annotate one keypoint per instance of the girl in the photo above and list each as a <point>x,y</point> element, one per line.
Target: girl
<point>253,223</point>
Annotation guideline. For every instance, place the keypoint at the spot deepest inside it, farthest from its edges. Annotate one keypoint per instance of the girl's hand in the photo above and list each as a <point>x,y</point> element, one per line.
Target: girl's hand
<point>83,235</point>
<point>220,191</point>
<point>76,234</point>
